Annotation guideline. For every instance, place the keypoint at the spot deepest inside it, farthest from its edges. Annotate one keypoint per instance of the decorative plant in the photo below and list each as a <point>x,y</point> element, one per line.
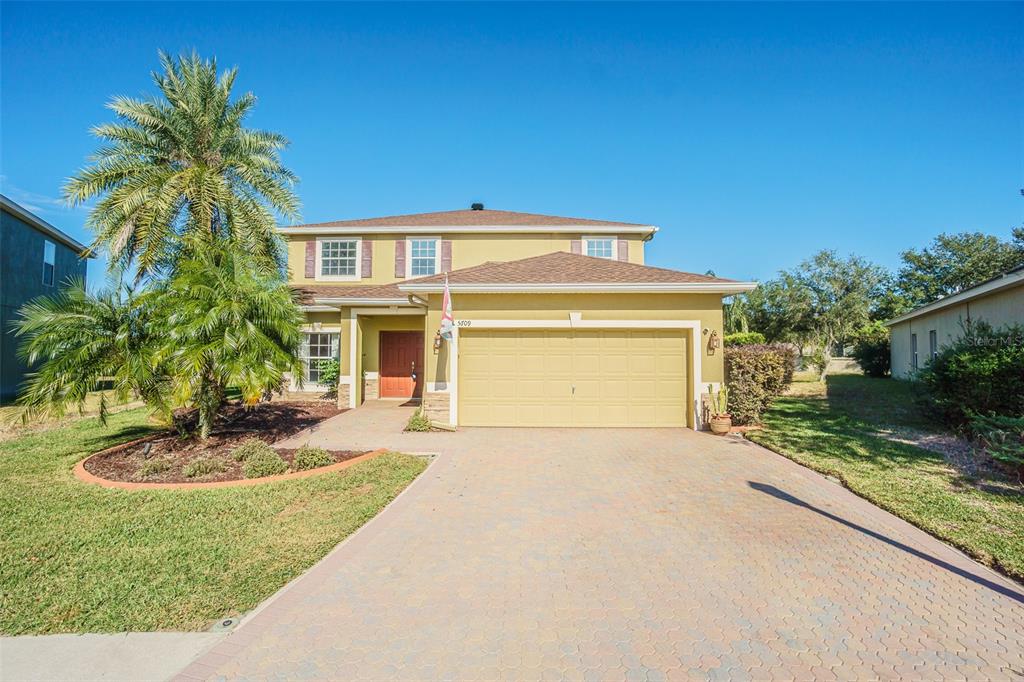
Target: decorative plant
<point>719,401</point>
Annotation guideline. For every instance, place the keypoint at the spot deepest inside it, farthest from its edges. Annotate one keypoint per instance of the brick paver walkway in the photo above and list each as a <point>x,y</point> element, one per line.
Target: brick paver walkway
<point>611,554</point>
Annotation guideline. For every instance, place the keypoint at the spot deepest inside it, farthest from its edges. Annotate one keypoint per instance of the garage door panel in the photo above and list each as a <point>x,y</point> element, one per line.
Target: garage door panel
<point>527,377</point>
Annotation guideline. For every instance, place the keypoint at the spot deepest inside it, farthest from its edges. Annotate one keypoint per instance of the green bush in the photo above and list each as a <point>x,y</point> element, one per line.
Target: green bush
<point>871,349</point>
<point>756,376</point>
<point>249,447</point>
<point>330,370</point>
<point>982,372</point>
<point>1003,438</point>
<point>418,422</point>
<point>308,457</point>
<point>744,339</point>
<point>202,467</point>
<point>263,463</point>
<point>157,465</point>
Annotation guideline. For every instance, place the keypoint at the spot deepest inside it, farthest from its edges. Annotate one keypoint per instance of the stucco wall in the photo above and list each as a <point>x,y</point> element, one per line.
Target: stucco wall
<point>21,279</point>
<point>998,309</point>
<point>467,250</point>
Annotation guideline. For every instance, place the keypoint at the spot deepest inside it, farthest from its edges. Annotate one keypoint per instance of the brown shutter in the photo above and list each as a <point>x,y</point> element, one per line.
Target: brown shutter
<point>367,258</point>
<point>446,256</point>
<point>399,258</point>
<point>576,246</point>
<point>311,259</point>
<point>623,250</point>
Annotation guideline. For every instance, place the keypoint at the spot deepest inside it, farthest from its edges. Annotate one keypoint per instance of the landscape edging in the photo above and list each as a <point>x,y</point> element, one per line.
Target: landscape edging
<point>85,476</point>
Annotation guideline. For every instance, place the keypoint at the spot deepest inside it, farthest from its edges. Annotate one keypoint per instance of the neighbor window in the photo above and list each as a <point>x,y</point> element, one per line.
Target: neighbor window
<point>933,345</point>
<point>599,247</point>
<point>423,257</point>
<point>338,258</point>
<point>49,262</point>
<point>913,351</point>
<point>316,347</point>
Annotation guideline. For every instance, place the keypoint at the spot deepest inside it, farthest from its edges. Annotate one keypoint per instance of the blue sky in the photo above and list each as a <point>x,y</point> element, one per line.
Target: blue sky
<point>753,135</point>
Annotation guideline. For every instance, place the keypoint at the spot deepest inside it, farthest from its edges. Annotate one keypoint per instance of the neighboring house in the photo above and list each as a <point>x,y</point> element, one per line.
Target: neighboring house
<point>557,320</point>
<point>35,259</point>
<point>915,338</point>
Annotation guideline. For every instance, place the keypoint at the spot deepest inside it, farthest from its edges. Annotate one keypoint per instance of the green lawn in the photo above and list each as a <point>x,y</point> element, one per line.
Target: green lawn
<point>75,557</point>
<point>831,428</point>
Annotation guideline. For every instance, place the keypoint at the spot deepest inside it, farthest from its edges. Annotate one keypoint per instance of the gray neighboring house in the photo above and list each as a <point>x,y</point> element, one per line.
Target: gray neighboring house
<point>35,260</point>
<point>916,337</point>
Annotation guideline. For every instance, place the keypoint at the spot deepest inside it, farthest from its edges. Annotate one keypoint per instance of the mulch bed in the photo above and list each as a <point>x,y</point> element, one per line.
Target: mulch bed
<point>269,422</point>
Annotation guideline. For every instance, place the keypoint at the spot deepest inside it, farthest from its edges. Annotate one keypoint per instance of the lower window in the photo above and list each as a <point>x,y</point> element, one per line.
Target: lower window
<point>318,346</point>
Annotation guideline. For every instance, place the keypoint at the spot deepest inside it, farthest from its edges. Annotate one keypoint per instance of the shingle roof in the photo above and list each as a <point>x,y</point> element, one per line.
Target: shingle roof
<point>552,268</point>
<point>467,217</point>
<point>567,268</point>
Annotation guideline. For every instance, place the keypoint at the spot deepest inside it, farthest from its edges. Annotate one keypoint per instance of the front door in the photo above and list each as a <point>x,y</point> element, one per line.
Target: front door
<point>401,364</point>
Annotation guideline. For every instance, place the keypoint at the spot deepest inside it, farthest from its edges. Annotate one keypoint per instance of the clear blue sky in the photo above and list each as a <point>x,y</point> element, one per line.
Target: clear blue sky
<point>753,135</point>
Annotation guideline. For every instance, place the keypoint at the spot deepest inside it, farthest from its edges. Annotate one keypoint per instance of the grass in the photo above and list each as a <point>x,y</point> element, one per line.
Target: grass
<point>75,557</point>
<point>831,428</point>
<point>11,415</point>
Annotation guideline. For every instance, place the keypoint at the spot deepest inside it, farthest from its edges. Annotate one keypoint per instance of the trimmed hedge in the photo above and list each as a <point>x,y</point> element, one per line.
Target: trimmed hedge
<point>744,339</point>
<point>756,375</point>
<point>982,372</point>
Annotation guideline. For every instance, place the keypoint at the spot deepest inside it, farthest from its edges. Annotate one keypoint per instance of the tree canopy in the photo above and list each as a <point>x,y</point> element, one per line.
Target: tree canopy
<point>179,172</point>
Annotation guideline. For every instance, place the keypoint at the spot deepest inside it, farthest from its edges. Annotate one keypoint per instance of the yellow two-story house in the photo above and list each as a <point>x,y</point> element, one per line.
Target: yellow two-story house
<point>557,321</point>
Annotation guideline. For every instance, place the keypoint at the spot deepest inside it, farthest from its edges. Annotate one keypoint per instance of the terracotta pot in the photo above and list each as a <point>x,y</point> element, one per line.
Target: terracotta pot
<point>720,424</point>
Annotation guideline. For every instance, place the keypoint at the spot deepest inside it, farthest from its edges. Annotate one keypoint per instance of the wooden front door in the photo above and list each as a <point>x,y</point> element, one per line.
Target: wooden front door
<point>401,364</point>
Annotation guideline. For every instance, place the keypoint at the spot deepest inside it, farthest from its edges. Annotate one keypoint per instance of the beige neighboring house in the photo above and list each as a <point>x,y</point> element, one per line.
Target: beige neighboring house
<point>917,336</point>
<point>557,321</point>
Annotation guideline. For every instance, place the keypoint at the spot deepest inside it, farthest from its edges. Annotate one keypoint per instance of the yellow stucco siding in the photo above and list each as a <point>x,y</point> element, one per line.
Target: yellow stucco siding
<point>467,250</point>
<point>1000,308</point>
<point>704,308</point>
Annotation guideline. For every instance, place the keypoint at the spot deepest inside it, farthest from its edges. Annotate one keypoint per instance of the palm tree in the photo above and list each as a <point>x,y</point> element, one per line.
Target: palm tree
<point>79,339</point>
<point>225,323</point>
<point>180,173</point>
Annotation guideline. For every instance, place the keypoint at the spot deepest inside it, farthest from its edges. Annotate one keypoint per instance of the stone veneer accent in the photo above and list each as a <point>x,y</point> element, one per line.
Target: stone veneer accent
<point>343,396</point>
<point>371,390</point>
<point>435,406</point>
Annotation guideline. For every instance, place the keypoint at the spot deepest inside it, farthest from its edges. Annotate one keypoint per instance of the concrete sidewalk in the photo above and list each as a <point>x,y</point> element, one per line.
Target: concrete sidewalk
<point>131,656</point>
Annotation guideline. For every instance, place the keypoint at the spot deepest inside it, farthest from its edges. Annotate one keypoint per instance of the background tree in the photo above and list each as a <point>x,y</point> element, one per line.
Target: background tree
<point>953,262</point>
<point>181,172</point>
<point>780,309</point>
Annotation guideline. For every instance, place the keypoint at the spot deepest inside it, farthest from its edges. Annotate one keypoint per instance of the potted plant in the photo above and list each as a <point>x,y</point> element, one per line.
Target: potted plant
<point>721,420</point>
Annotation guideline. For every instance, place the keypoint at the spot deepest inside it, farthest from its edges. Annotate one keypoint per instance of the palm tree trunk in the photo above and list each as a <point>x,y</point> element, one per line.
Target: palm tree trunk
<point>211,397</point>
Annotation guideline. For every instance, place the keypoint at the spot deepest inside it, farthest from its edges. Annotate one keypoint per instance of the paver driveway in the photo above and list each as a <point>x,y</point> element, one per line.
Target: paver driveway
<point>612,554</point>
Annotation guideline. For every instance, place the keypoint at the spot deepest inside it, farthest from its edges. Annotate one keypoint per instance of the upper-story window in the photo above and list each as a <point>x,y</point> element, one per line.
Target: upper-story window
<point>599,247</point>
<point>49,262</point>
<point>338,259</point>
<point>424,256</point>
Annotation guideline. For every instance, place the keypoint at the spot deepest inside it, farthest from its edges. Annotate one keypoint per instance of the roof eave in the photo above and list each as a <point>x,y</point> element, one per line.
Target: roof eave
<point>354,300</point>
<point>1010,279</point>
<point>645,230</point>
<point>587,287</point>
<point>46,228</point>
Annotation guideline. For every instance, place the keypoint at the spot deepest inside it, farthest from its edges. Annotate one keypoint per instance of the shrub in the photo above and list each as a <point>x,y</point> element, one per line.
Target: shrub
<point>157,465</point>
<point>982,372</point>
<point>202,467</point>
<point>418,422</point>
<point>744,339</point>
<point>249,447</point>
<point>308,457</point>
<point>330,370</point>
<point>871,349</point>
<point>756,375</point>
<point>1003,438</point>
<point>264,463</point>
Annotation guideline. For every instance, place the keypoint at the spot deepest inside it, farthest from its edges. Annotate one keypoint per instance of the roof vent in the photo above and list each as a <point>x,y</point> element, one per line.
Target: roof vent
<point>476,207</point>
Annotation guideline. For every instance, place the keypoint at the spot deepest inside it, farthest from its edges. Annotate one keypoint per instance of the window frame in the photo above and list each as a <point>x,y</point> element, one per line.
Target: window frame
<point>332,345</point>
<point>913,351</point>
<point>49,246</point>
<point>320,277</point>
<point>408,254</point>
<point>587,239</point>
<point>933,345</point>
